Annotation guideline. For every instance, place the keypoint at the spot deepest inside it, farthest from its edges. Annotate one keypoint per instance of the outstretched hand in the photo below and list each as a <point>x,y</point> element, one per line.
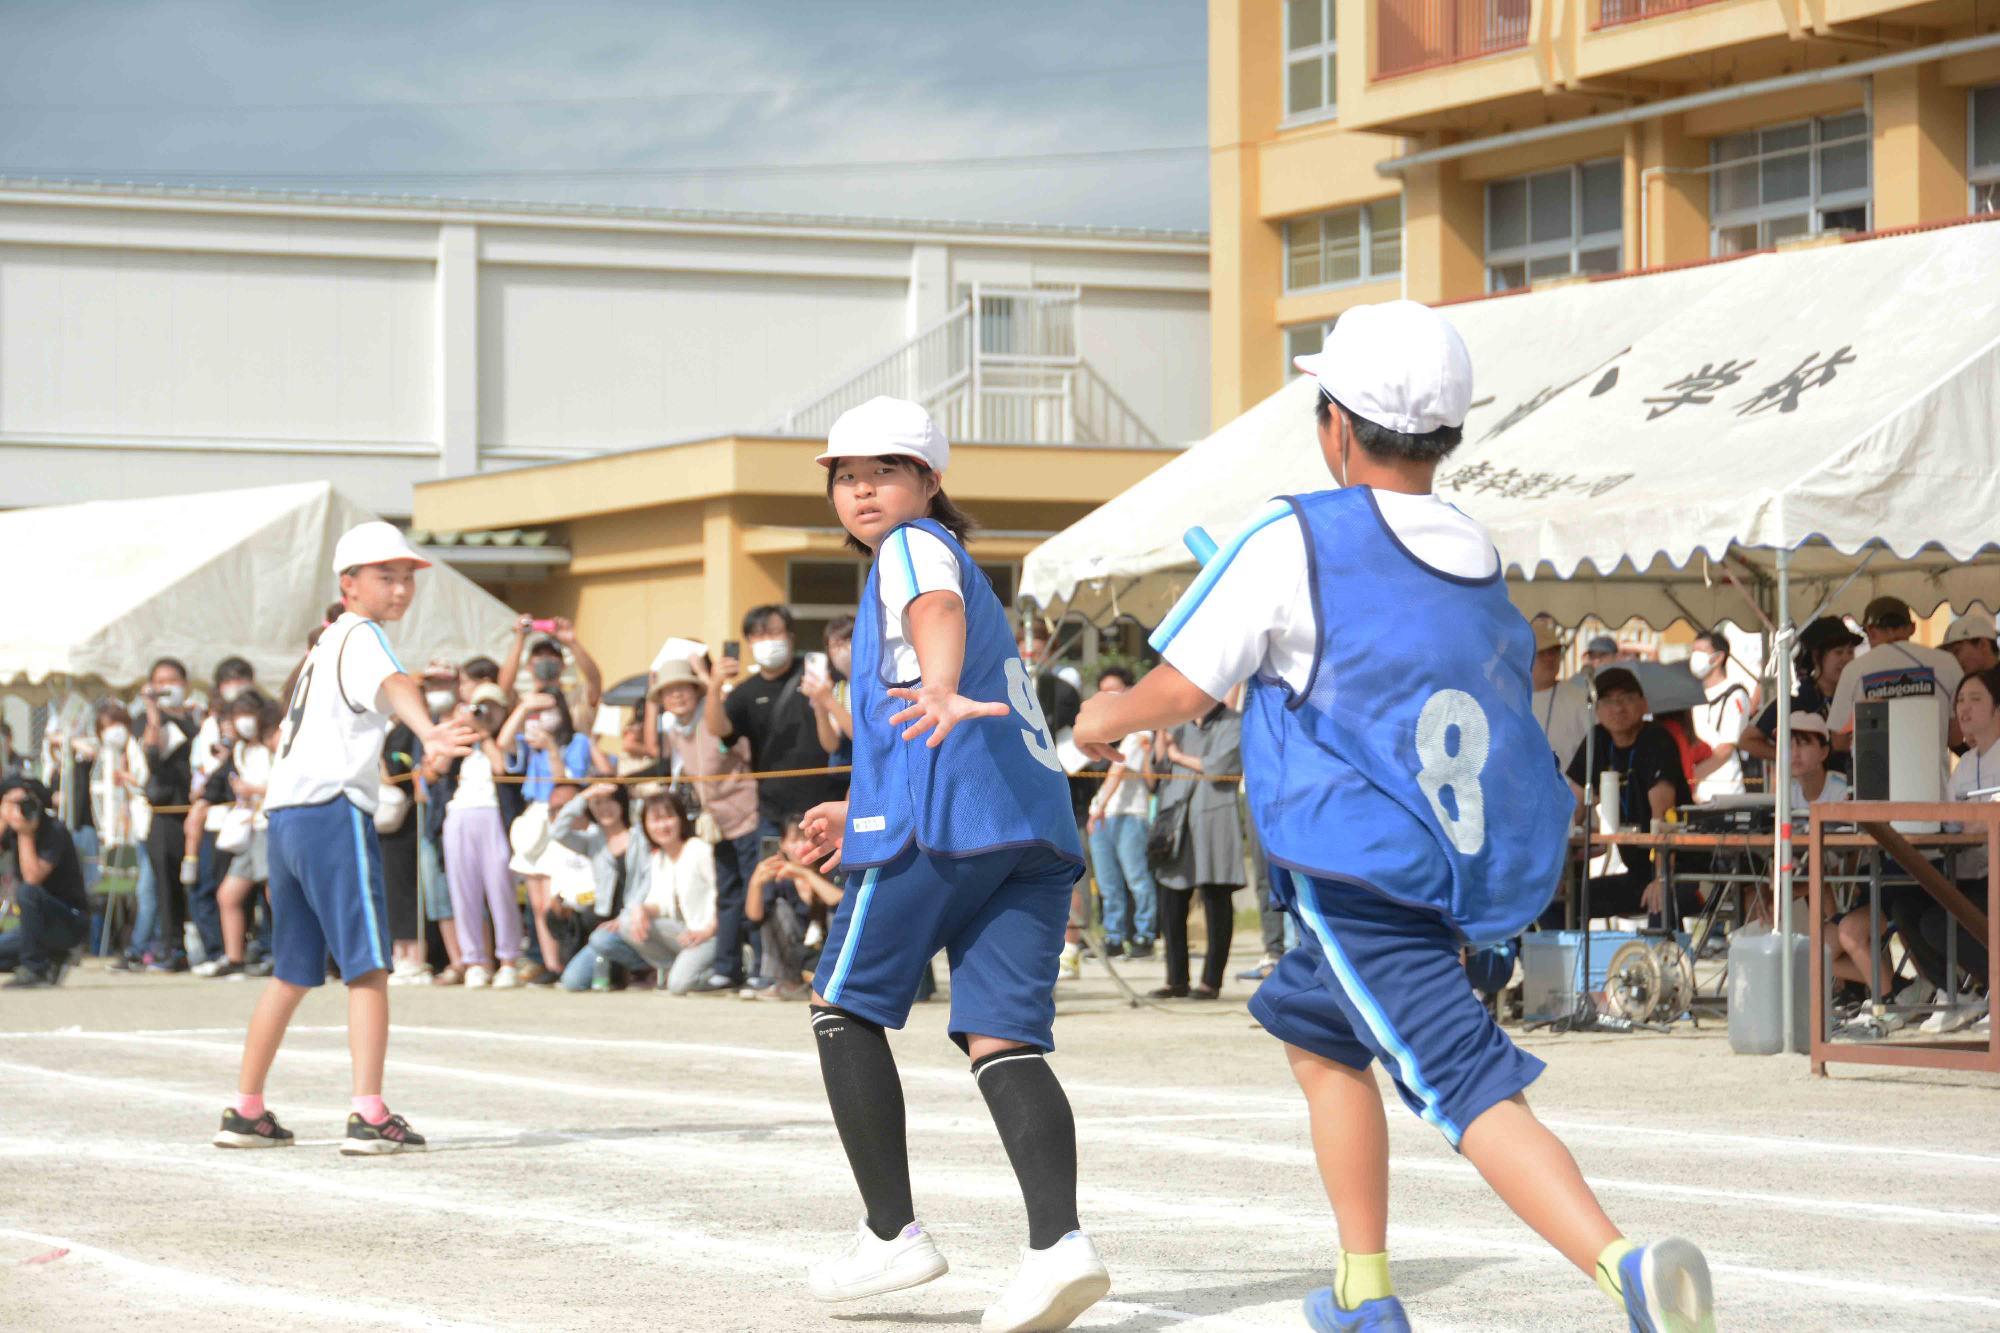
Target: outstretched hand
<point>938,712</point>
<point>450,738</point>
<point>825,828</point>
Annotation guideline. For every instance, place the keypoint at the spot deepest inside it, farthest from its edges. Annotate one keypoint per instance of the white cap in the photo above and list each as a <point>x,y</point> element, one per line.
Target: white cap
<point>886,427</point>
<point>1809,722</point>
<point>374,543</point>
<point>1398,364</point>
<point>1971,625</point>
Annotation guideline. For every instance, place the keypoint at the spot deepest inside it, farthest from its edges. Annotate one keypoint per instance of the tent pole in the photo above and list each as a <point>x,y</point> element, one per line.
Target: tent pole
<point>1781,858</point>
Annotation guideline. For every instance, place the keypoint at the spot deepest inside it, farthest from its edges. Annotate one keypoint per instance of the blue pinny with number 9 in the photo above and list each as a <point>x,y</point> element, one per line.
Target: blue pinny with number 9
<point>995,782</point>
<point>1413,764</point>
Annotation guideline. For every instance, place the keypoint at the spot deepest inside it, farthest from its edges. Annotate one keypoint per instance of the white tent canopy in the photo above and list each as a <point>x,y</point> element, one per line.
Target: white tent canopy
<point>1635,444</point>
<point>200,577</point>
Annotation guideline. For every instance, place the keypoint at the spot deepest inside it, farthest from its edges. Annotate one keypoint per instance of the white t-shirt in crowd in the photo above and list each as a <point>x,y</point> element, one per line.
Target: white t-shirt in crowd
<point>1258,615</point>
<point>203,761</point>
<point>1564,712</point>
<point>911,563</point>
<point>1720,722</point>
<point>1836,789</point>
<point>1897,670</point>
<point>1977,769</point>
<point>683,888</point>
<point>475,789</point>
<point>1131,797</point>
<point>253,769</point>
<point>331,744</point>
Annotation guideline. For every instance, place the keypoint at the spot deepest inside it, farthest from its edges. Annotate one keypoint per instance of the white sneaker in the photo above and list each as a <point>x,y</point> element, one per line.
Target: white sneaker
<point>507,978</point>
<point>1069,967</point>
<point>815,936</point>
<point>872,1266</point>
<point>208,968</point>
<point>1969,1010</point>
<point>477,976</point>
<point>1053,1287</point>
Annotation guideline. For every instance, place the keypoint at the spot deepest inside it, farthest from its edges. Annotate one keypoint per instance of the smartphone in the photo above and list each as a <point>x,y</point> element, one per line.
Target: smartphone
<point>732,648</point>
<point>769,846</point>
<point>542,626</point>
<point>817,668</point>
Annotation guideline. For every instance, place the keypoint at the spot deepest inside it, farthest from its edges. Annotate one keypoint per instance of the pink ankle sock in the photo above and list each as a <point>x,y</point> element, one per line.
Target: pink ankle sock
<point>371,1109</point>
<point>249,1105</point>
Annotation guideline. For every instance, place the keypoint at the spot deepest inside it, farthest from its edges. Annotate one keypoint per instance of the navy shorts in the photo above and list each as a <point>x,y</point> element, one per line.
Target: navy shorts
<point>1375,980</point>
<point>326,893</point>
<point>999,916</point>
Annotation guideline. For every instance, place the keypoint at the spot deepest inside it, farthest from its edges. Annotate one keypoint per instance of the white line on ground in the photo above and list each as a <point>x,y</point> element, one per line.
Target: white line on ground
<point>165,1282</point>
<point>1214,1211</point>
<point>1187,1144</point>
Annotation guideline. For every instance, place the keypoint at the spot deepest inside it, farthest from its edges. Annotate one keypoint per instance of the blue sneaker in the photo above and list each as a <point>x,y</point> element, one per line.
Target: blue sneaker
<point>1385,1315</point>
<point>1667,1288</point>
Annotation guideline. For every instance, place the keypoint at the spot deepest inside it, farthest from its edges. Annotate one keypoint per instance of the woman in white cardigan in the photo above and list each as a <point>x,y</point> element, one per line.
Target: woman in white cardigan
<point>668,923</point>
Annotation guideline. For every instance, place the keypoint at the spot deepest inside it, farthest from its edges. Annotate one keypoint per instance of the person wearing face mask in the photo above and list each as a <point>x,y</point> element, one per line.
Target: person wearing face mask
<point>238,787</point>
<point>1720,721</point>
<point>119,809</point>
<point>545,667</point>
<point>168,740</point>
<point>442,683</point>
<point>544,747</point>
<point>769,710</point>
<point>235,679</point>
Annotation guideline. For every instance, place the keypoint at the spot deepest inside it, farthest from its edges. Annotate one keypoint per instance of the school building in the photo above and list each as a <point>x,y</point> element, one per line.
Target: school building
<point>1363,150</point>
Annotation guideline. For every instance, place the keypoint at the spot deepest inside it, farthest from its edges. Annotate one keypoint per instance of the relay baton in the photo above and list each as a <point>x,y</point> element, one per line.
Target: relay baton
<point>1199,544</point>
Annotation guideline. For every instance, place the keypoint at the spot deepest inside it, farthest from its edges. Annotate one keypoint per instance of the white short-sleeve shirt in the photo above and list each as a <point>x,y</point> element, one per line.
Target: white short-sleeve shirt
<point>1131,796</point>
<point>1888,669</point>
<point>1719,722</point>
<point>911,563</point>
<point>1257,616</point>
<point>331,743</point>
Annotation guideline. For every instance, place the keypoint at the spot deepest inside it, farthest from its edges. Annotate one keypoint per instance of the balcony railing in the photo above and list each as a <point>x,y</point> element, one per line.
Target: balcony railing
<point>1611,13</point>
<point>1424,34</point>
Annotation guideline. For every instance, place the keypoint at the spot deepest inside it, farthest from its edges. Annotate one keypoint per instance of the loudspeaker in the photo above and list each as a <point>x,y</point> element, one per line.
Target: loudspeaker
<point>1898,754</point>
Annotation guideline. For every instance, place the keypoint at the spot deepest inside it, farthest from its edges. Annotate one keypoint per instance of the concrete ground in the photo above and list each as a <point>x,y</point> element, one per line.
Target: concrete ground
<point>669,1163</point>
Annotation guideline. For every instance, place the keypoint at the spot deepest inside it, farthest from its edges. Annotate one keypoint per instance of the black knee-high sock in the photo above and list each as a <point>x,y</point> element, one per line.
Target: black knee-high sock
<point>1039,1132</point>
<point>867,1101</point>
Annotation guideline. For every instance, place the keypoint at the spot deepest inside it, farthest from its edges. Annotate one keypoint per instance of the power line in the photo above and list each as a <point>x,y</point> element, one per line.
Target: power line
<point>595,99</point>
<point>735,172</point>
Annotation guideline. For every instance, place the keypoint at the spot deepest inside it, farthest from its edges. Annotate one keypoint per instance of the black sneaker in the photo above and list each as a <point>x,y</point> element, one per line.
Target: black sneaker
<point>1140,950</point>
<point>123,962</point>
<point>29,978</point>
<point>715,984</point>
<point>176,962</point>
<point>260,968</point>
<point>1113,949</point>
<point>392,1135</point>
<point>242,1132</point>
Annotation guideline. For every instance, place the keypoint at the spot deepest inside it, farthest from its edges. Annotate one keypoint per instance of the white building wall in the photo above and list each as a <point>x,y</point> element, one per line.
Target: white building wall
<point>160,342</point>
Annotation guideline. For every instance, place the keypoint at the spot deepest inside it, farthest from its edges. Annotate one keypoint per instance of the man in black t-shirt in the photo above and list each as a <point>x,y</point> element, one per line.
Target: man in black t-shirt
<point>42,873</point>
<point>771,711</point>
<point>1651,782</point>
<point>168,740</point>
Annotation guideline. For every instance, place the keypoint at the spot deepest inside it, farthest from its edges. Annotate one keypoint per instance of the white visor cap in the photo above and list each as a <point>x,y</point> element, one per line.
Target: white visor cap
<point>375,543</point>
<point>886,427</point>
<point>1400,365</point>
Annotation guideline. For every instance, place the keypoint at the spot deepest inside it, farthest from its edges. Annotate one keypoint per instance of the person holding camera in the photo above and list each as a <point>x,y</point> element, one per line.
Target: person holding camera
<point>45,880</point>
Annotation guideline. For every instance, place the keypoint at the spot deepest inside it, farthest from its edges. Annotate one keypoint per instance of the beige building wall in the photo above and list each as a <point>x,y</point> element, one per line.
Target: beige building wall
<point>1554,60</point>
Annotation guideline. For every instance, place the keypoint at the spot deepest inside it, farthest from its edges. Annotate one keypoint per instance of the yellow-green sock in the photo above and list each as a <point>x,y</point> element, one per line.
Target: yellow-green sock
<point>1361,1277</point>
<point>1608,1280</point>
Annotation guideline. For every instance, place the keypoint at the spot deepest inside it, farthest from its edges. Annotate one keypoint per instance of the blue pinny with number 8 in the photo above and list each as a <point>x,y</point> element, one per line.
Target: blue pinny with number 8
<point>1412,765</point>
<point>994,784</point>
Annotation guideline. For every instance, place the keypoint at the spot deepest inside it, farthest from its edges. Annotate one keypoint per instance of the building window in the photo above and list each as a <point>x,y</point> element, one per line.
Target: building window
<point>1304,340</point>
<point>1571,220</point>
<point>1984,169</point>
<point>1789,180</point>
<point>1347,245</point>
<point>1309,60</point>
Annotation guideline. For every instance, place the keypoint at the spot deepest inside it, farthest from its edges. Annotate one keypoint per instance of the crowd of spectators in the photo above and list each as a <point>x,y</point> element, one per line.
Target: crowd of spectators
<point>672,858</point>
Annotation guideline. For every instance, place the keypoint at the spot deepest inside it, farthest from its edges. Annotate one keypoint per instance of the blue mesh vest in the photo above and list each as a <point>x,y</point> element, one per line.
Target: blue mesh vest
<point>995,783</point>
<point>1413,763</point>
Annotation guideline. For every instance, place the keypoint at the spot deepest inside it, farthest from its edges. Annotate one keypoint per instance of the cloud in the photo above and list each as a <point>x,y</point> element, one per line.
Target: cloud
<point>323,96</point>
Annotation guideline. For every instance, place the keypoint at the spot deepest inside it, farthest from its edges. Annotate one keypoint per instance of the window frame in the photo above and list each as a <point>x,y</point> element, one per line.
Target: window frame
<point>1814,203</point>
<point>1324,326</point>
<point>1327,49</point>
<point>1578,243</point>
<point>1980,179</point>
<point>1364,239</point>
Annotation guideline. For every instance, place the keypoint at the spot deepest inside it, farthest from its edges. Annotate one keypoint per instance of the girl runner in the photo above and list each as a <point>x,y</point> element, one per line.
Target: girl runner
<point>963,843</point>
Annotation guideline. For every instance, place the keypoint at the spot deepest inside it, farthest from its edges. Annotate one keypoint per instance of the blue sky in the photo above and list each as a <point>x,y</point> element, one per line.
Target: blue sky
<point>784,105</point>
